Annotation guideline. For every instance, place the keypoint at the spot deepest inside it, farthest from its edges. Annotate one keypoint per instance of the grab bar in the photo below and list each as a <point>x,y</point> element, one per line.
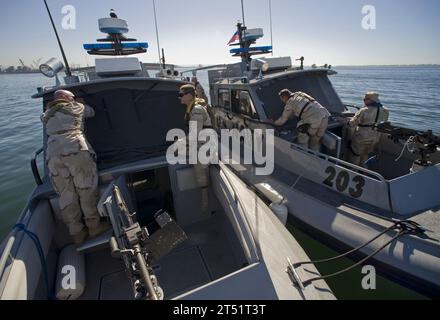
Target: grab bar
<point>34,168</point>
<point>6,254</point>
<point>337,161</point>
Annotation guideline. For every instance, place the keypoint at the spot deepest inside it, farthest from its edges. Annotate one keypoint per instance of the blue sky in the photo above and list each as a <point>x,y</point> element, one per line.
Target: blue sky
<point>196,31</point>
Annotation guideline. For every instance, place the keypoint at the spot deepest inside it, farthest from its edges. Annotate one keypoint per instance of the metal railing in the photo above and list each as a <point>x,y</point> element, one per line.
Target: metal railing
<point>34,168</point>
<point>340,162</point>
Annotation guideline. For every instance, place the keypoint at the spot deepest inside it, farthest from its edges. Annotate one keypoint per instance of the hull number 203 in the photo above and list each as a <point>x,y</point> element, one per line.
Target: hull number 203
<point>342,181</point>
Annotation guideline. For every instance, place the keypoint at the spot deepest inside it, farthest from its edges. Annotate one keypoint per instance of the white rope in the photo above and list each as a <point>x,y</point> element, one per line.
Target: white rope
<point>407,146</point>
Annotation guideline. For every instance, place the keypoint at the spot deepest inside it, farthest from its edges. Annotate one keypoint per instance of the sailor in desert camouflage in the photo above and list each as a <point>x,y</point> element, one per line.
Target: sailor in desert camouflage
<point>71,162</point>
<point>197,113</point>
<point>312,117</point>
<point>365,139</point>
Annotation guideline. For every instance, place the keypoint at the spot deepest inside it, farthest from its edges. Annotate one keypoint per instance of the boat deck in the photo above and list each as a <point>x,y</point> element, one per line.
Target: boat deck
<point>207,255</point>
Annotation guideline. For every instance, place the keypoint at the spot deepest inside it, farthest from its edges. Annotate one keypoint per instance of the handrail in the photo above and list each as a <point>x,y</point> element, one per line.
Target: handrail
<point>352,106</point>
<point>12,237</point>
<point>360,170</point>
<point>6,253</point>
<point>339,161</point>
<point>204,68</point>
<point>34,168</point>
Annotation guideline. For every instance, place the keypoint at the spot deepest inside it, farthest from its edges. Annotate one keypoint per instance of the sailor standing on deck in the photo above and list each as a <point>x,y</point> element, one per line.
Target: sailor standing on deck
<point>312,117</point>
<point>71,162</point>
<point>365,139</point>
<point>196,113</point>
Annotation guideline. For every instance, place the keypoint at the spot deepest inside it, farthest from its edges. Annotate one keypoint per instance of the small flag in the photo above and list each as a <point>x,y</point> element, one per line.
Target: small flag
<point>234,38</point>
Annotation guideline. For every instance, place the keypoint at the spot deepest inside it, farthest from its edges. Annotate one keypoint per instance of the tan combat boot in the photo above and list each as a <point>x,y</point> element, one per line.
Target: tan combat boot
<point>99,229</point>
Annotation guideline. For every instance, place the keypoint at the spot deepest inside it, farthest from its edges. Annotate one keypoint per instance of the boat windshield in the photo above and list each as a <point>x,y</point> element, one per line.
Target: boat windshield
<point>315,84</point>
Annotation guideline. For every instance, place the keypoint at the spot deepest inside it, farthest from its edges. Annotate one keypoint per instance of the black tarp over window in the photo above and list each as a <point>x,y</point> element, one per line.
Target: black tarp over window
<point>132,118</point>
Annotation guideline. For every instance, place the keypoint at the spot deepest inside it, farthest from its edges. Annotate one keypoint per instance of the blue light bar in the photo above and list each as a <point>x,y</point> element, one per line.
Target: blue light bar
<point>254,49</point>
<point>131,45</point>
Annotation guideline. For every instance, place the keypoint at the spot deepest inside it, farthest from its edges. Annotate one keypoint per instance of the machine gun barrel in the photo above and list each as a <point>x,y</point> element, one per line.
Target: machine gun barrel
<point>397,133</point>
<point>424,143</point>
<point>144,273</point>
<point>130,247</point>
<point>140,249</point>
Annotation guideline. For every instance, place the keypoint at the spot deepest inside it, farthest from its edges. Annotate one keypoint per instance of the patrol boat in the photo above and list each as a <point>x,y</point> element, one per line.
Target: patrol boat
<point>160,238</point>
<point>387,215</point>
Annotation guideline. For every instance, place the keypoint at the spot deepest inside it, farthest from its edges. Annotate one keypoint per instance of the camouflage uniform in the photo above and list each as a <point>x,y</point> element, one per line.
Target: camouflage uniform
<point>72,163</point>
<point>198,113</point>
<point>364,139</point>
<point>310,113</point>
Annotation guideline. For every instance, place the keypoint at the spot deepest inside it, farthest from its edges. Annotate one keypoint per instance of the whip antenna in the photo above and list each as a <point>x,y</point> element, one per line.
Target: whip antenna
<point>68,71</point>
<point>157,31</point>
<point>242,12</point>
<point>271,30</point>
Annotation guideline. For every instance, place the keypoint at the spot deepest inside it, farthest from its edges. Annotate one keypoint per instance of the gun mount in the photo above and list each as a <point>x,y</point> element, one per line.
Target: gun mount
<point>425,143</point>
<point>140,249</point>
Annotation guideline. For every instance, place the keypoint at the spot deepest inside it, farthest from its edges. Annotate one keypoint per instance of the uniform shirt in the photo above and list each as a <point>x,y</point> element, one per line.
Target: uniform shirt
<point>198,113</point>
<point>64,122</point>
<point>313,114</point>
<point>367,117</point>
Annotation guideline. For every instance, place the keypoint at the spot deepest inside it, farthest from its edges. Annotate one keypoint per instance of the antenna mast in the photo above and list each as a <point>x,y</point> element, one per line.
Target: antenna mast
<point>271,31</point>
<point>242,13</point>
<point>68,71</point>
<point>157,31</point>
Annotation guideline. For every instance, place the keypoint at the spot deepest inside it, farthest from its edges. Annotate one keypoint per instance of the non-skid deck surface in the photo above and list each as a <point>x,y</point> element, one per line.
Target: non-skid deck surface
<point>207,255</point>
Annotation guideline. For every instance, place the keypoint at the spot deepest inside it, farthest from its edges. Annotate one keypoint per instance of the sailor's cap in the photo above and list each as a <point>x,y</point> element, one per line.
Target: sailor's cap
<point>373,96</point>
<point>63,93</point>
<point>188,88</point>
<point>285,92</point>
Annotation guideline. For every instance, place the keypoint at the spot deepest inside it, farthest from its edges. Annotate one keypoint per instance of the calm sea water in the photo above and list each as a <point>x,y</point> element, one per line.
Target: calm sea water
<point>411,93</point>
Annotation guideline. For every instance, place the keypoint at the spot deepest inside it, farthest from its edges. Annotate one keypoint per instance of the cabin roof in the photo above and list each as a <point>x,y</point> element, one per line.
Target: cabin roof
<point>118,81</point>
<point>275,75</point>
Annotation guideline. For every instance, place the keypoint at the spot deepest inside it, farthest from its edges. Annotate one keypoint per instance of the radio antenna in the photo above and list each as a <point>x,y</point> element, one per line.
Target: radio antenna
<point>68,71</point>
<point>242,13</point>
<point>157,31</point>
<point>271,30</point>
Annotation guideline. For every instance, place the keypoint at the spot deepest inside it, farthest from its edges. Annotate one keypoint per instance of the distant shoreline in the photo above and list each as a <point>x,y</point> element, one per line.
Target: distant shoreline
<point>357,66</point>
<point>30,72</point>
<point>389,65</point>
<point>333,67</point>
<point>207,65</point>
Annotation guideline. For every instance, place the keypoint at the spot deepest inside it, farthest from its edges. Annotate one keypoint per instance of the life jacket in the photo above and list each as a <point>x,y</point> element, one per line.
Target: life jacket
<point>189,109</point>
<point>310,100</point>
<point>371,125</point>
<point>53,108</point>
